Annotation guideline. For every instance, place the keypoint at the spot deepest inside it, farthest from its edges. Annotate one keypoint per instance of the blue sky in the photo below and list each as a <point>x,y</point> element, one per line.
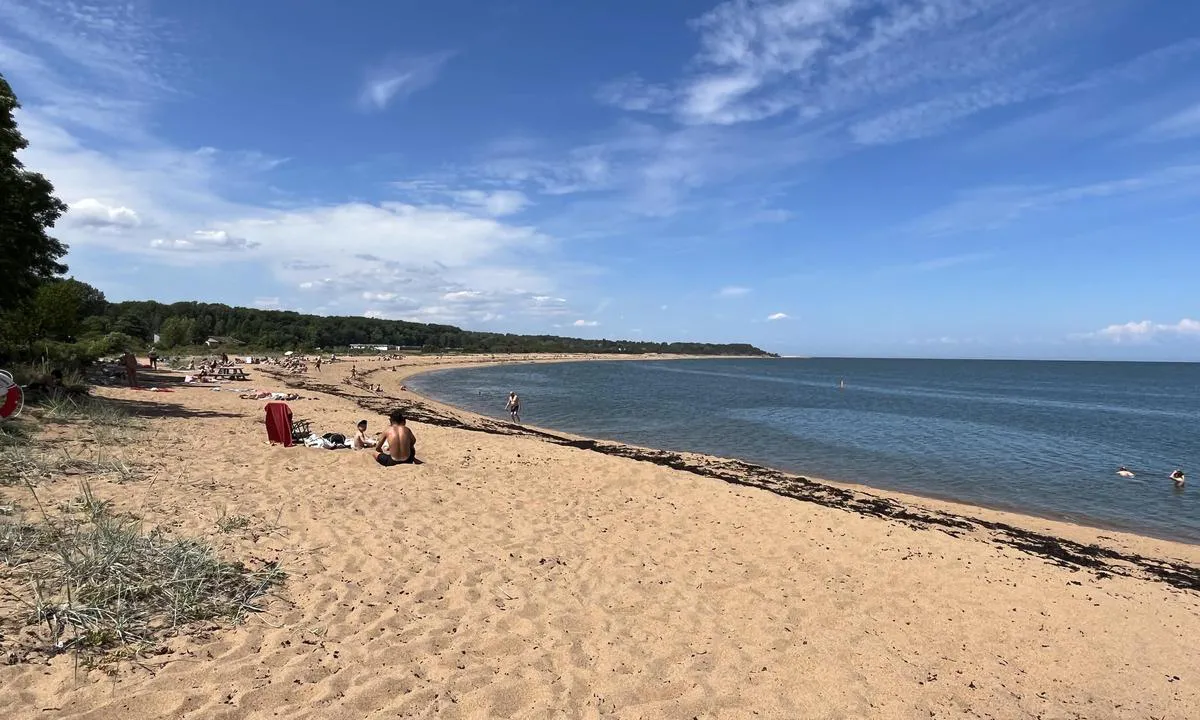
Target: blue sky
<point>961,178</point>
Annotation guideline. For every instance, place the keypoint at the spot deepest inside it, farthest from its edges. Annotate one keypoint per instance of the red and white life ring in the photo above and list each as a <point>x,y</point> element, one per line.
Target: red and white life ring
<point>11,397</point>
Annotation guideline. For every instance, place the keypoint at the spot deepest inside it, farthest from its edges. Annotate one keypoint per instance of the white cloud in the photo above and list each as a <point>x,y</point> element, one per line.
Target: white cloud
<point>1146,330</point>
<point>399,78</point>
<point>205,241</point>
<point>462,296</point>
<point>777,316</point>
<point>733,291</point>
<point>92,213</point>
<point>104,72</point>
<point>267,303</point>
<point>635,94</point>
<point>490,203</point>
<point>882,72</point>
<point>1183,124</point>
<point>938,263</point>
<point>585,323</point>
<point>994,207</point>
<point>334,252</point>
<point>497,203</point>
<point>930,117</point>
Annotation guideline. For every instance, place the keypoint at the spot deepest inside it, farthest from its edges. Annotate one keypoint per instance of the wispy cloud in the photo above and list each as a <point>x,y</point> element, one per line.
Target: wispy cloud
<point>400,77</point>
<point>1183,124</point>
<point>850,73</point>
<point>777,316</point>
<point>938,263</point>
<point>733,291</point>
<point>1146,330</point>
<point>886,71</point>
<point>118,45</point>
<point>635,94</point>
<point>991,208</point>
<point>492,203</point>
<point>774,84</point>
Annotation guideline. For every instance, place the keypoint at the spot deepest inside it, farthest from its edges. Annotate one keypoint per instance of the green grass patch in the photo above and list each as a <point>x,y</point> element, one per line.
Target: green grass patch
<point>96,581</point>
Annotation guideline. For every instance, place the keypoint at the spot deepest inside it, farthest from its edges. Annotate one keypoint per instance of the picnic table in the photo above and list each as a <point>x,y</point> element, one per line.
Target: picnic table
<point>233,373</point>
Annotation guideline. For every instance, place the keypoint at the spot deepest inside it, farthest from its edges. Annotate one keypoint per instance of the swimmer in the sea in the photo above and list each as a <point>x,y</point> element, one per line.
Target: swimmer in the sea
<point>1124,472</point>
<point>1179,478</point>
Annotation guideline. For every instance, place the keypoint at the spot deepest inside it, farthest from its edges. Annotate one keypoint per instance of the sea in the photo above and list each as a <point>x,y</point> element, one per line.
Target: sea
<point>1041,438</point>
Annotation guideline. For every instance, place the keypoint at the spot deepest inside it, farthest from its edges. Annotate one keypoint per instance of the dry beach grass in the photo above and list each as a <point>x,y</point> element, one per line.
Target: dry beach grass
<point>509,576</point>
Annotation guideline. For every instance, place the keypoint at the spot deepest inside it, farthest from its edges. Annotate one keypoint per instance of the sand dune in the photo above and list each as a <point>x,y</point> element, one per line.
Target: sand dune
<point>511,577</point>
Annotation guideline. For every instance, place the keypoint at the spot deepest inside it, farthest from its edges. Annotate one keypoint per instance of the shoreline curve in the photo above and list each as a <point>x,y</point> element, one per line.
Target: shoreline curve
<point>954,518</point>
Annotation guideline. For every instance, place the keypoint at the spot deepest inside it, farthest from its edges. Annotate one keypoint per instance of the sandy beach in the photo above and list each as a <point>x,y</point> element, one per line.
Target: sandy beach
<point>528,573</point>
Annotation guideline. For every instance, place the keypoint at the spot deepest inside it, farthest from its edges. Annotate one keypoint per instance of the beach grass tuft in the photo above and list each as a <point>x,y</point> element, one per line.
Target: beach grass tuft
<point>94,581</point>
<point>66,408</point>
<point>97,581</point>
<point>227,523</point>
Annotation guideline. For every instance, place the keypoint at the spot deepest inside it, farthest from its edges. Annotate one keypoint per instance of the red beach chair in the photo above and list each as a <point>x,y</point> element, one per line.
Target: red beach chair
<point>281,428</point>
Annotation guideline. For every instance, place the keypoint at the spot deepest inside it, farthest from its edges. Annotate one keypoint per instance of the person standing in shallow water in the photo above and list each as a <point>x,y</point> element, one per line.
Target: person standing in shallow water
<point>514,406</point>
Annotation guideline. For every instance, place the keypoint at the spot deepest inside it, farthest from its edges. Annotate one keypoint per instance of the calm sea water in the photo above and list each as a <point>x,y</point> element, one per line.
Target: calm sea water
<point>1038,437</point>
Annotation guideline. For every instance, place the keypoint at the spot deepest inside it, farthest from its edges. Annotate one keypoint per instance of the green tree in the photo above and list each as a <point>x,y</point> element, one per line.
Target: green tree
<point>176,331</point>
<point>60,306</point>
<point>28,207</point>
<point>132,324</point>
<point>95,325</point>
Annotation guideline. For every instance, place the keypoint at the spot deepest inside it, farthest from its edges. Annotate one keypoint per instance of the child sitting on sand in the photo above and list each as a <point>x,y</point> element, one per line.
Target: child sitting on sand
<point>361,441</point>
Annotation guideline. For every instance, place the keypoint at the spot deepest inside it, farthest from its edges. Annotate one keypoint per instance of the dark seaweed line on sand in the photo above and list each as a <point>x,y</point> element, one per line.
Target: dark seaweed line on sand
<point>1058,551</point>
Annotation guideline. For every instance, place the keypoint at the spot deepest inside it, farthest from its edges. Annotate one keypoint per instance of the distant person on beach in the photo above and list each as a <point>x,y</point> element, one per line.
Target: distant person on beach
<point>1179,478</point>
<point>130,363</point>
<point>514,406</point>
<point>318,363</point>
<point>153,360</point>
<point>402,444</point>
<point>361,441</point>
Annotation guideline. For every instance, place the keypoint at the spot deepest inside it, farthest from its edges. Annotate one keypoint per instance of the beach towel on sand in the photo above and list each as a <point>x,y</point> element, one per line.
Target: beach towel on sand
<point>279,423</point>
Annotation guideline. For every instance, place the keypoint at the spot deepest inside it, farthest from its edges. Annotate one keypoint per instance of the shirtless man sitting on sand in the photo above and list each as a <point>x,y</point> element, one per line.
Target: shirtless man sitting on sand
<point>402,444</point>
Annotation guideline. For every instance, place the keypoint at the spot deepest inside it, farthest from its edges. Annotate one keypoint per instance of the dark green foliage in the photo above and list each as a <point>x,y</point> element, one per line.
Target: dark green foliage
<point>177,331</point>
<point>28,208</point>
<point>110,345</point>
<point>186,323</point>
<point>59,307</point>
<point>133,325</point>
